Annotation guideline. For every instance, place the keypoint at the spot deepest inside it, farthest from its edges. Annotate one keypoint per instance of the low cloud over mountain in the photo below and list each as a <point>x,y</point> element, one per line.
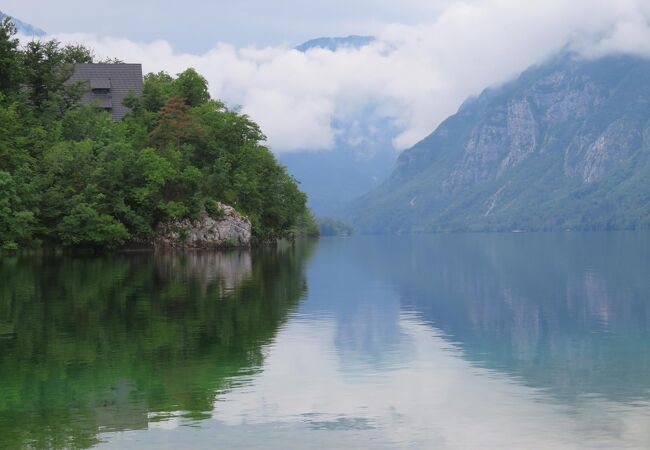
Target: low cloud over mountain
<point>415,75</point>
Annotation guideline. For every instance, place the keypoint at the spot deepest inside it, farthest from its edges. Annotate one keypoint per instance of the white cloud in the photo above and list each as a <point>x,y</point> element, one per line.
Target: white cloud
<point>417,74</point>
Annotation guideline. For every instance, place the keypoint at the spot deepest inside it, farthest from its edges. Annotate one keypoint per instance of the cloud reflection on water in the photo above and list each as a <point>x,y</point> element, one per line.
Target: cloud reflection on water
<point>436,400</point>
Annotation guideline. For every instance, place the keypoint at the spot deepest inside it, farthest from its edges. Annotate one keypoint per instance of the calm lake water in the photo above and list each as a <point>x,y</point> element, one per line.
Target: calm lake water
<point>447,341</point>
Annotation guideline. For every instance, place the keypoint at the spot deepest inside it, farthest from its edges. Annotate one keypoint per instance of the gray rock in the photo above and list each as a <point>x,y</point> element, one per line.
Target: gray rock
<point>229,229</point>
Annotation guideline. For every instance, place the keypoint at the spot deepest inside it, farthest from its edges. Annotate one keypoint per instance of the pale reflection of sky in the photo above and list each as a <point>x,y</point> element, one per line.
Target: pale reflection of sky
<point>432,399</point>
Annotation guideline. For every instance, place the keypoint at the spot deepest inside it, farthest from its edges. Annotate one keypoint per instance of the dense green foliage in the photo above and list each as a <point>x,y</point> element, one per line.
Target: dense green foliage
<point>306,226</point>
<point>564,147</point>
<point>333,227</point>
<point>71,176</point>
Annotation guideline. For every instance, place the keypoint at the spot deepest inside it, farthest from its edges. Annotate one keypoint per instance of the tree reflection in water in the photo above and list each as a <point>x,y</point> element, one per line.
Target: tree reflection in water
<point>102,344</point>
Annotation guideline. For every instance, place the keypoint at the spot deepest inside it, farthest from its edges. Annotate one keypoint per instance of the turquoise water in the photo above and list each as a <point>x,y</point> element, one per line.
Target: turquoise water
<point>444,341</point>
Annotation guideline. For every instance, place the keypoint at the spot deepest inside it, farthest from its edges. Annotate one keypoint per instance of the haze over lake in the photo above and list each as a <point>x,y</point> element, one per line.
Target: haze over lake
<point>441,341</point>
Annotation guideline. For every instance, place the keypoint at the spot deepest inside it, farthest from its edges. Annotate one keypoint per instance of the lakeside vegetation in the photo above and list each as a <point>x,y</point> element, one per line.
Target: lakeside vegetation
<point>329,226</point>
<point>70,176</point>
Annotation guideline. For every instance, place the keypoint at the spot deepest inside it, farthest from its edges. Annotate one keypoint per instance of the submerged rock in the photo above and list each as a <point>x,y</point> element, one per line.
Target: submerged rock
<point>228,228</point>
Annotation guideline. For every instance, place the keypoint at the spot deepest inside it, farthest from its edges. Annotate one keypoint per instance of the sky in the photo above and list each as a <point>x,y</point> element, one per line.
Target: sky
<point>428,58</point>
<point>197,25</point>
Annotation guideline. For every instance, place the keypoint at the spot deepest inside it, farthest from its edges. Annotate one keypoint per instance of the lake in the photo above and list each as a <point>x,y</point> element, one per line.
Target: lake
<point>442,341</point>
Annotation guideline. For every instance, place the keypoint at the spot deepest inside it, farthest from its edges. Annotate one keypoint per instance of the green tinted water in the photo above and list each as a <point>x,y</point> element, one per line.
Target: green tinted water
<point>449,341</point>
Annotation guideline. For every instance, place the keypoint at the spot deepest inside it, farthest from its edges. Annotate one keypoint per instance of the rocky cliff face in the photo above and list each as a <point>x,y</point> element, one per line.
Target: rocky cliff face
<point>226,229</point>
<point>565,146</point>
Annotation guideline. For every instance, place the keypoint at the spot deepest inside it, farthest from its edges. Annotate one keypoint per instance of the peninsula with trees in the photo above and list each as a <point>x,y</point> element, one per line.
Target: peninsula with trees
<point>71,176</point>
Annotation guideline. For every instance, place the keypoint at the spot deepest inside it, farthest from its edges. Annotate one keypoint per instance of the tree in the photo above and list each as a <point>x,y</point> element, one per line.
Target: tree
<point>44,73</point>
<point>176,125</point>
<point>11,155</point>
<point>192,87</point>
<point>9,58</point>
<point>158,87</point>
<point>77,54</point>
<point>16,223</point>
<point>85,226</point>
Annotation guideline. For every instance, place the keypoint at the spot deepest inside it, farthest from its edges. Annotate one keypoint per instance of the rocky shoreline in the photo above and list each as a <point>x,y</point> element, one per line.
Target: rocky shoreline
<point>224,229</point>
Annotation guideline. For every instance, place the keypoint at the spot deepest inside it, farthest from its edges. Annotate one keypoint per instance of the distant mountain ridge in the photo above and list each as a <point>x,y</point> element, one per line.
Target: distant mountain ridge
<point>336,43</point>
<point>362,156</point>
<point>333,178</point>
<point>565,146</point>
<point>24,28</point>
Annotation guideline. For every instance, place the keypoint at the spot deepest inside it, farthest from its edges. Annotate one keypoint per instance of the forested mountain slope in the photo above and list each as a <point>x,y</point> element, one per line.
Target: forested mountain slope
<point>565,146</point>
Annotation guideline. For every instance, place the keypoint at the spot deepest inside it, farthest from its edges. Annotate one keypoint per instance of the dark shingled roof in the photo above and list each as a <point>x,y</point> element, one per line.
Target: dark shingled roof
<point>109,84</point>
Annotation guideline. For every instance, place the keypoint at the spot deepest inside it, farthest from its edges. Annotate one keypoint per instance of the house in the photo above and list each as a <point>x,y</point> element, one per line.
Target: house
<point>109,84</point>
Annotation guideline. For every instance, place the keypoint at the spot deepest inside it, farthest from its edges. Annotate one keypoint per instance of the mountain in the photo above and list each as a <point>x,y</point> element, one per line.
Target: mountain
<point>361,159</point>
<point>565,146</point>
<point>336,43</point>
<point>24,28</point>
<point>362,156</point>
<point>333,178</point>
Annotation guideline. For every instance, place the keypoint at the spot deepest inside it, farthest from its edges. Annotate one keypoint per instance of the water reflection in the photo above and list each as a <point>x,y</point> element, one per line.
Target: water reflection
<point>566,312</point>
<point>473,341</point>
<point>347,290</point>
<point>118,343</point>
<point>448,341</point>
